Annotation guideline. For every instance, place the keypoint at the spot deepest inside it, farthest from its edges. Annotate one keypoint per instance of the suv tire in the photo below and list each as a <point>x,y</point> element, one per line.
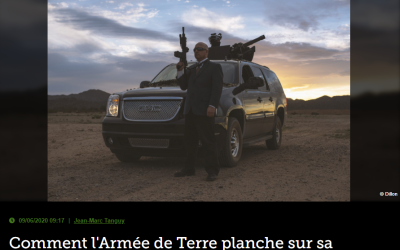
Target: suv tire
<point>275,142</point>
<point>233,145</point>
<point>127,157</point>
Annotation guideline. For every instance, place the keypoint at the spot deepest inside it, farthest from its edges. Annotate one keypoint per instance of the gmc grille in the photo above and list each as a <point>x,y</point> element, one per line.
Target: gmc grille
<point>151,108</point>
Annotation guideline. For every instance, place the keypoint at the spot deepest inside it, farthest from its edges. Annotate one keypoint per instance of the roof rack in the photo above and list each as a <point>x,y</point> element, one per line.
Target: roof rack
<point>254,63</point>
<point>241,60</point>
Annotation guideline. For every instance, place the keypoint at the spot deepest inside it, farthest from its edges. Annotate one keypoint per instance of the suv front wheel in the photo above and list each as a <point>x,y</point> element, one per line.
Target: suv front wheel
<point>233,144</point>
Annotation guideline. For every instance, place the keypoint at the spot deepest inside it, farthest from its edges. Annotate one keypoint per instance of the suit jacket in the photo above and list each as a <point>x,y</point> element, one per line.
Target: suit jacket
<point>203,89</point>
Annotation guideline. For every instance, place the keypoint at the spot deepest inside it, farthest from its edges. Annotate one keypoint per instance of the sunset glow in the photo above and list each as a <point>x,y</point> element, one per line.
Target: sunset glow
<point>114,45</point>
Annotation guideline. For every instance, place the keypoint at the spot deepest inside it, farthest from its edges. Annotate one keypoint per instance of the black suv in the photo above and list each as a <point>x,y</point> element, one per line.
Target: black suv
<point>149,121</point>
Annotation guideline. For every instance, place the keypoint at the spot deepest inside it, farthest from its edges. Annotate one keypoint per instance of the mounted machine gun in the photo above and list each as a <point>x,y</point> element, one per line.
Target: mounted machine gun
<point>238,51</point>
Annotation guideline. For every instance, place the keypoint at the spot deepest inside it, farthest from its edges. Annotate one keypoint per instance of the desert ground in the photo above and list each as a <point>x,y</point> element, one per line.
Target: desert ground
<point>312,164</point>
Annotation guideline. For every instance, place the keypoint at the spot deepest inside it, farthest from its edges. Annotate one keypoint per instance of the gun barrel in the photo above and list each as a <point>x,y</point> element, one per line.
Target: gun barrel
<point>182,55</point>
<point>254,41</point>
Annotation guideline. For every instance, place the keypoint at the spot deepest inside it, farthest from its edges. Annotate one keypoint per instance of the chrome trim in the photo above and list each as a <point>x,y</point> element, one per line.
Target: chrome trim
<point>154,108</point>
<point>254,116</point>
<point>269,114</point>
<point>152,98</point>
<point>235,145</point>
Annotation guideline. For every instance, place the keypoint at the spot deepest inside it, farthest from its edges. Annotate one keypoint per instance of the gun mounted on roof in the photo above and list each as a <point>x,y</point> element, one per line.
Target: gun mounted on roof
<point>242,50</point>
<point>238,51</point>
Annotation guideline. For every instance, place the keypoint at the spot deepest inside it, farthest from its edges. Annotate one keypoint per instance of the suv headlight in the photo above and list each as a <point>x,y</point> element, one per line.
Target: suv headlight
<point>112,105</point>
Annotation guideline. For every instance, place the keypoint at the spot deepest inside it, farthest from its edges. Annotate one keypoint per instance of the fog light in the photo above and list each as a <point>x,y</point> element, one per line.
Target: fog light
<point>110,140</point>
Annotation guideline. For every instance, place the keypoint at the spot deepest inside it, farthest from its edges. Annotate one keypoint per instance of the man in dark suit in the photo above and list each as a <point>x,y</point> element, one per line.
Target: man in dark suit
<point>204,88</point>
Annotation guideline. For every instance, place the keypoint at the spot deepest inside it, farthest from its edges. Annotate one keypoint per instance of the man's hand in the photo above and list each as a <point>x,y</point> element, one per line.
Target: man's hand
<point>210,111</point>
<point>180,66</point>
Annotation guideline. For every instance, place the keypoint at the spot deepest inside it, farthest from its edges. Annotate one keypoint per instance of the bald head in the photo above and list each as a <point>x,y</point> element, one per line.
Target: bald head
<point>201,45</point>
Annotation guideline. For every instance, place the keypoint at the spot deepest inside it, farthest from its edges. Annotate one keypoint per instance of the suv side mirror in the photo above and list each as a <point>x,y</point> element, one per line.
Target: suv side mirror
<point>144,84</point>
<point>253,83</point>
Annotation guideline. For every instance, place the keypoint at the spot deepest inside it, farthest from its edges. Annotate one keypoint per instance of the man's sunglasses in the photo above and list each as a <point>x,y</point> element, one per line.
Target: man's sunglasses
<point>198,49</point>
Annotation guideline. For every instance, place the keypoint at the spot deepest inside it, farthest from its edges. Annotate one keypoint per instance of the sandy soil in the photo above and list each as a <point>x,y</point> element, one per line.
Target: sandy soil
<point>313,164</point>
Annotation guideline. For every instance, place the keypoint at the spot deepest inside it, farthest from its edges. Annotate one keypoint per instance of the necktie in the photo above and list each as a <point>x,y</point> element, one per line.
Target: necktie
<point>197,69</point>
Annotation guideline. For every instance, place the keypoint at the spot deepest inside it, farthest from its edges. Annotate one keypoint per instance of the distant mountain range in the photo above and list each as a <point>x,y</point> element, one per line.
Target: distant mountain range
<point>323,102</point>
<point>87,101</point>
<point>96,100</point>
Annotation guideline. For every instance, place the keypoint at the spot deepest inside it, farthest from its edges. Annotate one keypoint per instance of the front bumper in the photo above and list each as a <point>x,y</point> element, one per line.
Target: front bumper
<point>121,130</point>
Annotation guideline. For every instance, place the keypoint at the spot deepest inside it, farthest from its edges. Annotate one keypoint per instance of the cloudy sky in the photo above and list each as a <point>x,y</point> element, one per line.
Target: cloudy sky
<point>114,45</point>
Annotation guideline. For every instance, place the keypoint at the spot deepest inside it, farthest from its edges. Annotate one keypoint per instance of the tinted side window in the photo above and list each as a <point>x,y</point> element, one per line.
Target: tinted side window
<point>278,84</point>
<point>269,79</point>
<point>230,71</point>
<point>272,80</point>
<point>246,73</point>
<point>257,73</point>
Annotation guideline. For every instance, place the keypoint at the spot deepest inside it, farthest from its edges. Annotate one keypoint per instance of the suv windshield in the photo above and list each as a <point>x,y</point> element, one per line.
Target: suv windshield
<point>166,78</point>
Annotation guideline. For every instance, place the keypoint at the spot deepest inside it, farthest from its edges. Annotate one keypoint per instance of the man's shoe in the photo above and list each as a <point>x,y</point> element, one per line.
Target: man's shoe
<point>211,177</point>
<point>183,173</point>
